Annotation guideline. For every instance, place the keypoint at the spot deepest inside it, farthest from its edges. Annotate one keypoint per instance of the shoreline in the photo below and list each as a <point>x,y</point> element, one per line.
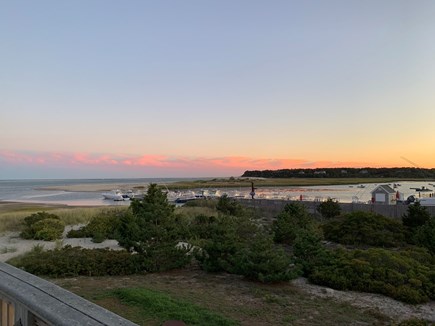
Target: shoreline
<point>19,206</point>
<point>223,183</point>
<point>94,187</point>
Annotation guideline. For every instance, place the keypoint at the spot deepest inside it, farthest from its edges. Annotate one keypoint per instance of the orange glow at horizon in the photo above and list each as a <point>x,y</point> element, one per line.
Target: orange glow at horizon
<point>225,165</point>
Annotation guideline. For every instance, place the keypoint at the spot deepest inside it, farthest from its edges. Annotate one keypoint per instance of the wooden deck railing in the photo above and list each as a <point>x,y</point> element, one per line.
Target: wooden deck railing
<point>28,300</point>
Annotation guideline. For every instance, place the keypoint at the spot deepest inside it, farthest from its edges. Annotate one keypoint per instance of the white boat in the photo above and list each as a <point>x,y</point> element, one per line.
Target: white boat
<point>116,195</point>
<point>133,194</point>
<point>184,197</point>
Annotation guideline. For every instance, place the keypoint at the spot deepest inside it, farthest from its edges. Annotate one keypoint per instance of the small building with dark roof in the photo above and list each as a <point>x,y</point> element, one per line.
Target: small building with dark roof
<point>384,194</point>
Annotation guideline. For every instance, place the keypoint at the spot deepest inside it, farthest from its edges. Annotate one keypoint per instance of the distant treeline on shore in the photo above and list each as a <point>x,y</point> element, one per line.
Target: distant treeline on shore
<point>400,173</point>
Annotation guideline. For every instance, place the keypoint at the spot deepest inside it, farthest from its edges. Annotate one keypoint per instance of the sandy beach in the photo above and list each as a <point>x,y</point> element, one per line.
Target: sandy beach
<point>97,187</point>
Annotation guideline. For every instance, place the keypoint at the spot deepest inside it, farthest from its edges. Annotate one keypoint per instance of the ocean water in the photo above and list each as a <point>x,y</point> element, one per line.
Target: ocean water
<point>29,191</point>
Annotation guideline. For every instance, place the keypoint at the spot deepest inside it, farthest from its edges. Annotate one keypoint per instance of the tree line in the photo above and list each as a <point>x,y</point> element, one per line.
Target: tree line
<point>399,173</point>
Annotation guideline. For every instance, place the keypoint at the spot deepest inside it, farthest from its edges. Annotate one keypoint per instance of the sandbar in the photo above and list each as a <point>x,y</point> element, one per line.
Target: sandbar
<point>96,187</point>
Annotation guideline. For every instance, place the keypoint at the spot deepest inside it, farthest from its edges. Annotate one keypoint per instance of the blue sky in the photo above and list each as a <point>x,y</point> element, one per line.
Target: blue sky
<point>162,88</point>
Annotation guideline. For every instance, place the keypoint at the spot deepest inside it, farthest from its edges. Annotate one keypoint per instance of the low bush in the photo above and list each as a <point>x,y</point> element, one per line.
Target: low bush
<point>48,229</point>
<point>164,256</point>
<point>414,322</point>
<point>407,275</point>
<point>102,226</point>
<point>42,226</point>
<point>365,228</point>
<point>209,203</point>
<point>238,245</point>
<point>330,208</point>
<point>74,261</point>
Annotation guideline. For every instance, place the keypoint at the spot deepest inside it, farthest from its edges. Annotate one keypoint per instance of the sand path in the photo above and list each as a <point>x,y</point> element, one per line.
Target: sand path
<point>11,245</point>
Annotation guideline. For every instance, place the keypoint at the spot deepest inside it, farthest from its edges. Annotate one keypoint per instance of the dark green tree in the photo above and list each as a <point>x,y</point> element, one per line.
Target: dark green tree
<point>365,228</point>
<point>230,206</point>
<point>290,221</point>
<point>416,216</point>
<point>240,246</point>
<point>154,207</point>
<point>262,260</point>
<point>152,231</point>
<point>309,251</point>
<point>425,235</point>
<point>329,208</point>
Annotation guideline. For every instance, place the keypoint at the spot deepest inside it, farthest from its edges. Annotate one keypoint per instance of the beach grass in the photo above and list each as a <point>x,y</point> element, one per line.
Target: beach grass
<point>12,214</point>
<point>78,215</point>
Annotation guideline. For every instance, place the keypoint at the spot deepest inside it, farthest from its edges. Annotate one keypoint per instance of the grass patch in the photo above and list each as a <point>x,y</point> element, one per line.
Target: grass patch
<point>12,214</point>
<point>162,307</point>
<point>77,215</point>
<point>251,303</point>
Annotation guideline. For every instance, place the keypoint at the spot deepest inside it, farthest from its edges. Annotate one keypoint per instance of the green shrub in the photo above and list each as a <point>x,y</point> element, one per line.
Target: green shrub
<point>240,246</point>
<point>80,233</point>
<point>74,261</point>
<point>364,228</point>
<point>290,221</point>
<point>220,240</point>
<point>209,203</point>
<point>229,206</point>
<point>416,216</point>
<point>29,231</point>
<point>309,251</point>
<point>98,237</point>
<point>425,235</point>
<point>407,275</point>
<point>48,229</point>
<point>330,208</point>
<point>414,322</point>
<point>263,261</point>
<point>152,230</point>
<point>101,227</point>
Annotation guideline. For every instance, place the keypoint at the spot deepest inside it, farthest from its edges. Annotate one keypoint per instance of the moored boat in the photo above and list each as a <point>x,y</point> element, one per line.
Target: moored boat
<point>115,195</point>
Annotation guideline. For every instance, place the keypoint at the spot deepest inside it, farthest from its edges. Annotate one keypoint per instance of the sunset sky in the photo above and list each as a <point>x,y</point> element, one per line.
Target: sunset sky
<point>194,88</point>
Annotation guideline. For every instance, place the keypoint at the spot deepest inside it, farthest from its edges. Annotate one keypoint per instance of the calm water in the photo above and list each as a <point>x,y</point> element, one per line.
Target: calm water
<point>27,191</point>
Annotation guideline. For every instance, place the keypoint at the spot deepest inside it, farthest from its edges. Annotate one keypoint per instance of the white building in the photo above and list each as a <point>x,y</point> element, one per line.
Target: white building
<point>384,194</point>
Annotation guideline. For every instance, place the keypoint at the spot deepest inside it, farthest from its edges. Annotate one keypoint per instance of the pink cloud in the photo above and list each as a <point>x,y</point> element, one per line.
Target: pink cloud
<point>230,165</point>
